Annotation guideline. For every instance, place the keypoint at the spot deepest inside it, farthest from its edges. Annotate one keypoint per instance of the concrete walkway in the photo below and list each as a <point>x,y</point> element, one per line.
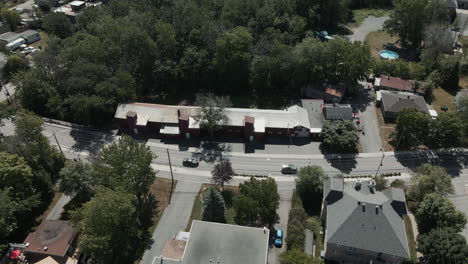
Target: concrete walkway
<point>174,218</point>
<point>371,23</point>
<point>57,210</point>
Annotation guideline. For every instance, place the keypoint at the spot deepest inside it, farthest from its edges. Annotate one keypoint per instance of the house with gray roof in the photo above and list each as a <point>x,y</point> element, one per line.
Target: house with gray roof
<point>392,103</point>
<point>338,112</point>
<point>363,225</point>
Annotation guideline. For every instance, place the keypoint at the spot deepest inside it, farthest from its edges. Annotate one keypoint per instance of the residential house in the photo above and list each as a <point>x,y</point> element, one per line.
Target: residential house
<point>385,82</point>
<point>338,112</point>
<point>29,36</point>
<point>462,4</point>
<point>327,92</point>
<point>363,225</point>
<point>252,124</point>
<point>209,242</point>
<point>53,238</point>
<point>391,103</point>
<point>314,108</point>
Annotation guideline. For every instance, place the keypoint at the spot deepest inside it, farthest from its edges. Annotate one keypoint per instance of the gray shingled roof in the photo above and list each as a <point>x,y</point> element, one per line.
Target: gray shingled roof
<point>314,111</point>
<point>395,102</point>
<point>377,229</point>
<point>338,112</point>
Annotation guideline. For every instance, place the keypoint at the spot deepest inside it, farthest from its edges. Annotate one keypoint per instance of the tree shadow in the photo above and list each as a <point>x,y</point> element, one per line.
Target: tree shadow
<point>453,161</point>
<point>89,140</point>
<point>211,152</point>
<point>361,101</point>
<point>345,163</point>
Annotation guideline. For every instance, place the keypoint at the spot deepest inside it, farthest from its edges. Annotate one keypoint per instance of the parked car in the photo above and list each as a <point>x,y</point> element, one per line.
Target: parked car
<point>288,169</point>
<point>279,238</point>
<point>356,118</point>
<point>189,162</point>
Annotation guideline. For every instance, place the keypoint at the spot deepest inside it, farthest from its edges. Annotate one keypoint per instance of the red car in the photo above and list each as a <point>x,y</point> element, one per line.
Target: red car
<point>356,118</point>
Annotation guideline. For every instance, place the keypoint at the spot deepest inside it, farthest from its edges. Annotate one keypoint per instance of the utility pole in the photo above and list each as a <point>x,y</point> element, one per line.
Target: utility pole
<point>172,176</point>
<point>58,144</point>
<point>381,162</point>
<point>289,134</point>
<point>8,94</point>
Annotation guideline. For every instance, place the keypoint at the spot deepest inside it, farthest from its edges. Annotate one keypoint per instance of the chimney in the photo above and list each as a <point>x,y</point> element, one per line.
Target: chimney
<point>408,97</point>
<point>357,184</point>
<point>376,209</point>
<point>388,77</point>
<point>363,207</point>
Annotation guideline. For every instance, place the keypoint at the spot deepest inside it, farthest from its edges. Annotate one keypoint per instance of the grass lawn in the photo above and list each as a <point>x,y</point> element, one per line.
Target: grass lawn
<point>198,205</point>
<point>161,189</point>
<point>42,42</point>
<point>359,15</point>
<point>55,199</point>
<point>443,97</point>
<point>377,39</point>
<point>410,237</point>
<point>385,130</point>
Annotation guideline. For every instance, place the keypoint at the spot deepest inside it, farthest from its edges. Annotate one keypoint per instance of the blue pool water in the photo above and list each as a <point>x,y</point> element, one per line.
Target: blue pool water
<point>390,55</point>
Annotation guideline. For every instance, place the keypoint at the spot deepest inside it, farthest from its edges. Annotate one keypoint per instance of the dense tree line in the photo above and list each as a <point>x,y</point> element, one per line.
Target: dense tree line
<point>29,166</point>
<point>166,51</point>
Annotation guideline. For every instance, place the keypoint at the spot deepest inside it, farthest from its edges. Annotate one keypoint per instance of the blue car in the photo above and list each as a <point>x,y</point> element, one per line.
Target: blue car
<point>279,238</point>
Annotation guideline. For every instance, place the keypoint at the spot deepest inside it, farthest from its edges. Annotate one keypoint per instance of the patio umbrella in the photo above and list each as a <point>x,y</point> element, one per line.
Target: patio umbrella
<point>15,254</point>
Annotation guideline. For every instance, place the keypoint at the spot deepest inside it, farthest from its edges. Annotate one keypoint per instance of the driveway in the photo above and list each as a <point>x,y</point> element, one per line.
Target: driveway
<point>371,23</point>
<point>174,218</point>
<point>283,213</point>
<point>363,104</point>
<point>57,210</point>
<point>460,198</point>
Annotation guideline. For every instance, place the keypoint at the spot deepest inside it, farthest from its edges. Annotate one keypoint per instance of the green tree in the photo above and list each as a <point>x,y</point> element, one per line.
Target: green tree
<point>222,172</point>
<point>214,207</point>
<point>257,202</point>
<point>380,182</point>
<point>430,179</point>
<point>108,226</point>
<point>443,245</point>
<point>411,129</point>
<point>15,63</point>
<point>409,18</point>
<point>8,221</point>
<point>44,5</point>
<point>398,184</point>
<point>126,165</point>
<point>212,111</point>
<point>446,131</point>
<point>436,211</point>
<point>309,186</point>
<point>462,107</point>
<point>15,174</point>
<point>449,68</point>
<point>297,256</point>
<point>232,58</point>
<point>11,17</point>
<point>58,24</point>
<point>340,136</point>
<point>76,178</point>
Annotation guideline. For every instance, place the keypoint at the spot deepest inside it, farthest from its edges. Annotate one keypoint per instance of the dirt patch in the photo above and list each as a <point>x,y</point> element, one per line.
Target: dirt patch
<point>161,189</point>
<point>377,39</point>
<point>386,130</point>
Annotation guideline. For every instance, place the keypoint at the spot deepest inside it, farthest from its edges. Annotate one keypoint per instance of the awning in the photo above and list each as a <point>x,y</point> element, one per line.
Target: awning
<point>169,130</point>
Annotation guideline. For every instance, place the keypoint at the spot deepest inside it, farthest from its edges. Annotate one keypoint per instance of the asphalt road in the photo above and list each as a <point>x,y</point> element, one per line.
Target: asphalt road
<point>370,24</point>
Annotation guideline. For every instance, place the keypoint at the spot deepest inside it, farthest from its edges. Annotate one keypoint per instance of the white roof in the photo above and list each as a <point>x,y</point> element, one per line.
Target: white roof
<point>291,117</point>
<point>378,96</point>
<point>377,81</point>
<point>76,3</point>
<point>433,113</point>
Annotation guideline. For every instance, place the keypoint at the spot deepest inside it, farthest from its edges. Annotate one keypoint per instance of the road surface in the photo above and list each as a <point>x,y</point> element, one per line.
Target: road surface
<point>371,23</point>
<point>173,220</point>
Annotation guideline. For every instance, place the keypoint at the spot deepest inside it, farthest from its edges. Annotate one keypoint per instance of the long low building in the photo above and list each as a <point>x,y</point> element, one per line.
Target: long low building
<point>253,124</point>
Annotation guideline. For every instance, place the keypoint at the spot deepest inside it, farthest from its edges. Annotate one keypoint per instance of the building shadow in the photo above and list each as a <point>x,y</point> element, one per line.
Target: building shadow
<point>361,101</point>
<point>453,161</point>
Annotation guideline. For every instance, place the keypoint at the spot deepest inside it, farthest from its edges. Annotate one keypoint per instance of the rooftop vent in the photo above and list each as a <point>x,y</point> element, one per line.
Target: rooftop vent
<point>372,186</point>
<point>357,184</point>
<point>363,207</point>
<point>376,209</point>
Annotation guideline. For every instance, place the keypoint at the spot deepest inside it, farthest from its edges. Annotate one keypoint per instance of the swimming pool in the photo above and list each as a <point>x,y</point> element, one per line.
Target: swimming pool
<point>389,55</point>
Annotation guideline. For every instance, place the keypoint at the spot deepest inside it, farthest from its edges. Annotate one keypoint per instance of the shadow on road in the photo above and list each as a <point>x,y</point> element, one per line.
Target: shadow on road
<point>211,151</point>
<point>345,163</point>
<point>89,140</point>
<point>453,161</point>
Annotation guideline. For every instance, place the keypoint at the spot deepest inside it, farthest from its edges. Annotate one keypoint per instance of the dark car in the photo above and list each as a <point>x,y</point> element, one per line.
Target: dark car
<point>189,162</point>
<point>288,169</point>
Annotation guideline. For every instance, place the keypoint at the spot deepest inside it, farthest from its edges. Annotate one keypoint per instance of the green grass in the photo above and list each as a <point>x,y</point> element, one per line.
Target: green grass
<point>443,97</point>
<point>197,208</point>
<point>296,200</point>
<point>410,236</point>
<point>359,15</point>
<point>42,43</point>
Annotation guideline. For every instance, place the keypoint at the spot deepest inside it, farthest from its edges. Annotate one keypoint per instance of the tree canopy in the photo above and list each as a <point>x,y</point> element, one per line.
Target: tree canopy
<point>443,245</point>
<point>431,179</point>
<point>257,202</point>
<point>436,211</point>
<point>222,172</point>
<point>214,207</point>
<point>411,129</point>
<point>309,186</point>
<point>340,136</point>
